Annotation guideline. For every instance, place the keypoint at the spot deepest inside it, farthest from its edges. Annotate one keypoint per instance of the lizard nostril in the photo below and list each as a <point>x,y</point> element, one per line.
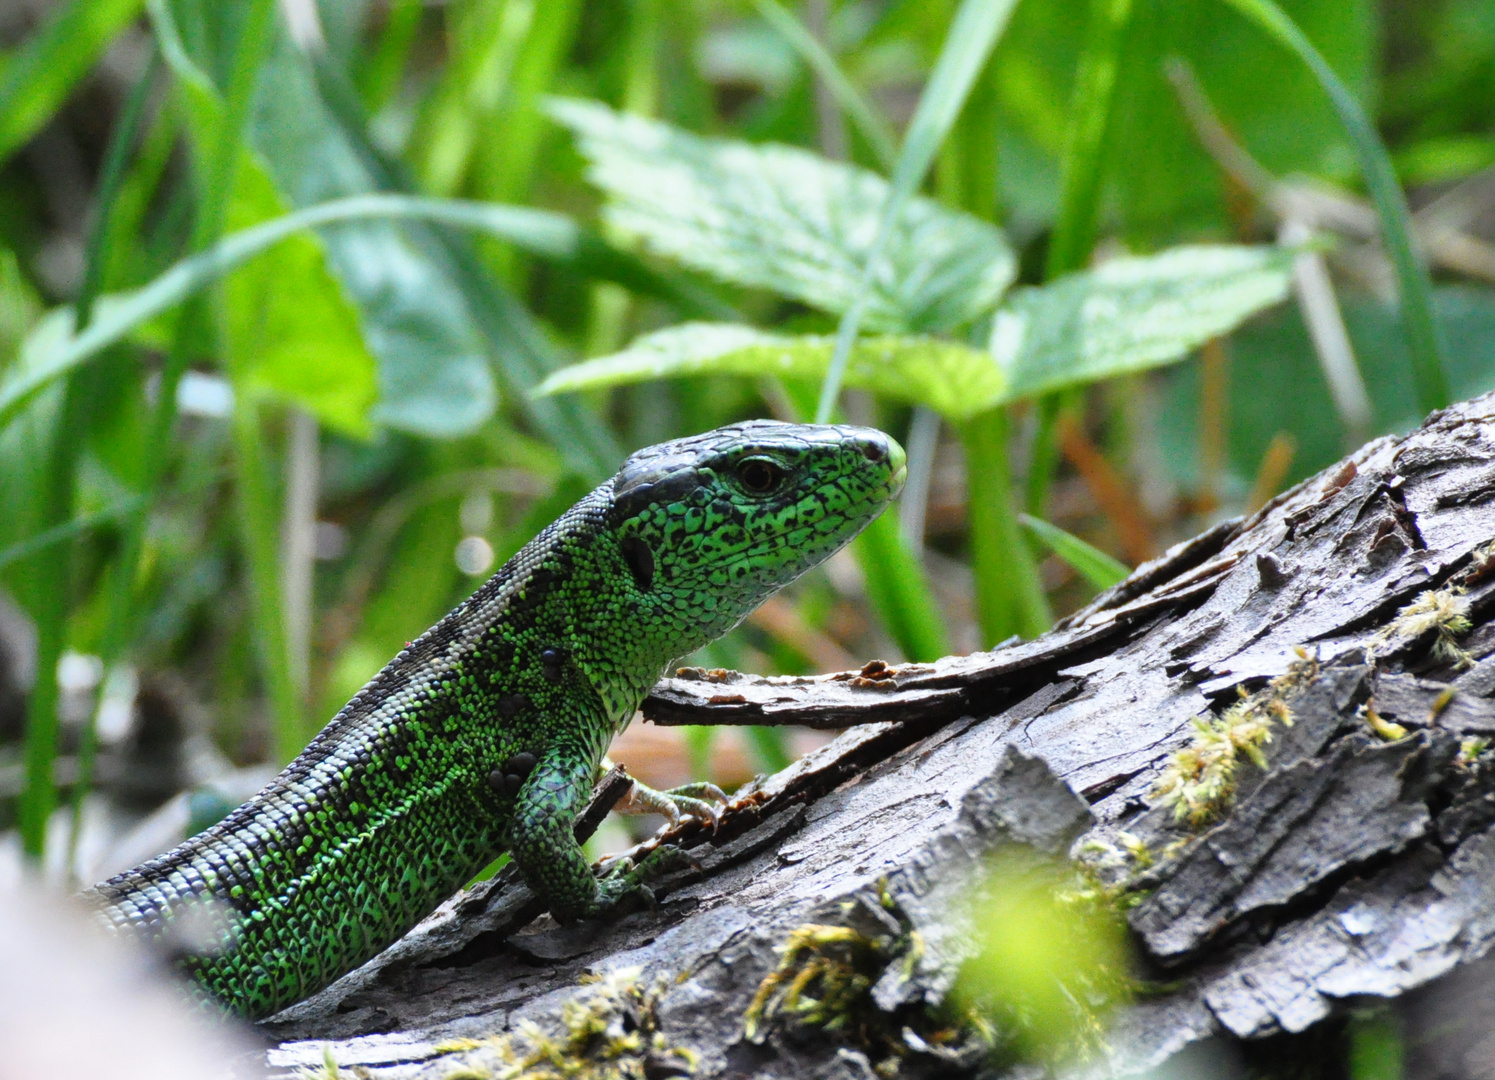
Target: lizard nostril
<point>874,450</point>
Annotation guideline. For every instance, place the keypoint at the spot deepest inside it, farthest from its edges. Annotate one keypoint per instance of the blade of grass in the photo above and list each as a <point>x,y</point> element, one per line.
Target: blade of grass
<point>39,78</point>
<point>876,130</point>
<point>49,577</point>
<point>1414,285</point>
<point>259,527</point>
<point>258,508</point>
<point>972,36</point>
<point>52,569</point>
<point>379,77</point>
<point>1079,209</point>
<point>1090,562</point>
<point>84,523</point>
<point>899,590</point>
<point>1009,595</point>
<point>1084,160</point>
<point>1377,1048</point>
<point>111,184</point>
<point>547,235</point>
<point>218,167</point>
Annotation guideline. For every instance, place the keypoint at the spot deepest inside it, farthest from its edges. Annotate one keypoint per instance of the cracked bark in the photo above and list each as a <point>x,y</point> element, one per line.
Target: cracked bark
<point>1353,869</point>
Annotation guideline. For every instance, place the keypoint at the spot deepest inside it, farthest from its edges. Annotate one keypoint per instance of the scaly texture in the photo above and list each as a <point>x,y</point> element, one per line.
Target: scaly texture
<point>486,733</point>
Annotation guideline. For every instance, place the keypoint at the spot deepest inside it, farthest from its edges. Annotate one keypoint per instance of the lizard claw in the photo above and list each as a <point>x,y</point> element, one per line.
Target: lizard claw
<point>700,801</point>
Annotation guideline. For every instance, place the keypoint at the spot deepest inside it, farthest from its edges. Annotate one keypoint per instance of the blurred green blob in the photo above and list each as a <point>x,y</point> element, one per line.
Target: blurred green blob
<point>1375,1047</point>
<point>1052,959</point>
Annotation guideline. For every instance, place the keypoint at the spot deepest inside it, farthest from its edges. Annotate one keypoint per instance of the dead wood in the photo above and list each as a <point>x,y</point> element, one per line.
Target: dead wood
<point>1358,867</point>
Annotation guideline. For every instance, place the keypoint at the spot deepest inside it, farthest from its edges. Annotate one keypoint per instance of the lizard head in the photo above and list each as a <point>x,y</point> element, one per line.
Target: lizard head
<point>709,526</point>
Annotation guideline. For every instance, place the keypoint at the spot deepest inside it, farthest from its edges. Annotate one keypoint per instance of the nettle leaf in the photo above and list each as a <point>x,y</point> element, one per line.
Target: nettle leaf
<point>1132,314</point>
<point>955,380</point>
<point>1126,316</point>
<point>787,220</point>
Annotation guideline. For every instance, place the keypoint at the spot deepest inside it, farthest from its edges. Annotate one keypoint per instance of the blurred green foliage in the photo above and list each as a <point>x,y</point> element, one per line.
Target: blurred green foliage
<point>487,247</point>
<point>1051,959</point>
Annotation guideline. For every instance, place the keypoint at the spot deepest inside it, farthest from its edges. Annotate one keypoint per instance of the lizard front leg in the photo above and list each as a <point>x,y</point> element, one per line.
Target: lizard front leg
<point>541,841</point>
<point>543,845</point>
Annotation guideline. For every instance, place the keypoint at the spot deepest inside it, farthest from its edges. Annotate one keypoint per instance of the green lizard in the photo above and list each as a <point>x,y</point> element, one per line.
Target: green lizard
<point>485,735</point>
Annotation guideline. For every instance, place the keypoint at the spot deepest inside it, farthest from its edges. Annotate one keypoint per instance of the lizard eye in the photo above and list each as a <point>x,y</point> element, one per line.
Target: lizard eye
<point>759,476</point>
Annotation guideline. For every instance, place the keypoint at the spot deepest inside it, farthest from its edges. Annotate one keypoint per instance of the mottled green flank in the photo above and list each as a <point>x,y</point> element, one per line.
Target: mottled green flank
<point>485,735</point>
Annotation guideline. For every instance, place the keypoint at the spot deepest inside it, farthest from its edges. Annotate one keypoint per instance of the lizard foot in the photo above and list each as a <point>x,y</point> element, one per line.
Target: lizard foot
<point>700,801</point>
<point>625,885</point>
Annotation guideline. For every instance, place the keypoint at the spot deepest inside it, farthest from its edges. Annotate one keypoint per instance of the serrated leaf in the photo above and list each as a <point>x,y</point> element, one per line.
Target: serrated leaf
<point>955,380</point>
<point>778,218</point>
<point>1131,314</point>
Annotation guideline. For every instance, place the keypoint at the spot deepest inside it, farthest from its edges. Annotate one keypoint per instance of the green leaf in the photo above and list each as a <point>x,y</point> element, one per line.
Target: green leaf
<point>1126,316</point>
<point>39,78</point>
<point>955,380</point>
<point>1091,563</point>
<point>1132,314</point>
<point>432,370</point>
<point>778,218</point>
<point>441,325</point>
<point>291,334</point>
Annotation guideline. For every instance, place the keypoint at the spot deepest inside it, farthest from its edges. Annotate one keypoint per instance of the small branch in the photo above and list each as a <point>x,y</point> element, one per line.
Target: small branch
<point>605,795</point>
<point>1331,340</point>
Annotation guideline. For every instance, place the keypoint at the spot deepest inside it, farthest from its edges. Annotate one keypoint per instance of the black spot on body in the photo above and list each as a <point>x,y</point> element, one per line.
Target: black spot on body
<point>510,705</point>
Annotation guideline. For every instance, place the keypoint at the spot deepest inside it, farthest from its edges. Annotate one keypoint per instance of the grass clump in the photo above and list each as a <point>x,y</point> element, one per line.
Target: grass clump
<point>610,1031</point>
<point>1444,613</point>
<point>824,980</point>
<point>1199,783</point>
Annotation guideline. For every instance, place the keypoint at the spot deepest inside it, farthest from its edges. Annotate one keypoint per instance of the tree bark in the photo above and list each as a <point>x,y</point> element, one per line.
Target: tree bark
<point>1357,867</point>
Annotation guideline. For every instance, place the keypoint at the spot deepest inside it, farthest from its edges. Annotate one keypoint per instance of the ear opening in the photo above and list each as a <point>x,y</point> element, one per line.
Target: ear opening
<point>640,559</point>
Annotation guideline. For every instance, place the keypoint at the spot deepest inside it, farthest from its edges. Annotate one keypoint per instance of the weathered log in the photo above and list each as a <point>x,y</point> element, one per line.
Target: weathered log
<point>1358,866</point>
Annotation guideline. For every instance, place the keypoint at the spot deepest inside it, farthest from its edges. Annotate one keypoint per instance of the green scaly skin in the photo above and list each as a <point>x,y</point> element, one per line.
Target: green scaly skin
<point>485,735</point>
